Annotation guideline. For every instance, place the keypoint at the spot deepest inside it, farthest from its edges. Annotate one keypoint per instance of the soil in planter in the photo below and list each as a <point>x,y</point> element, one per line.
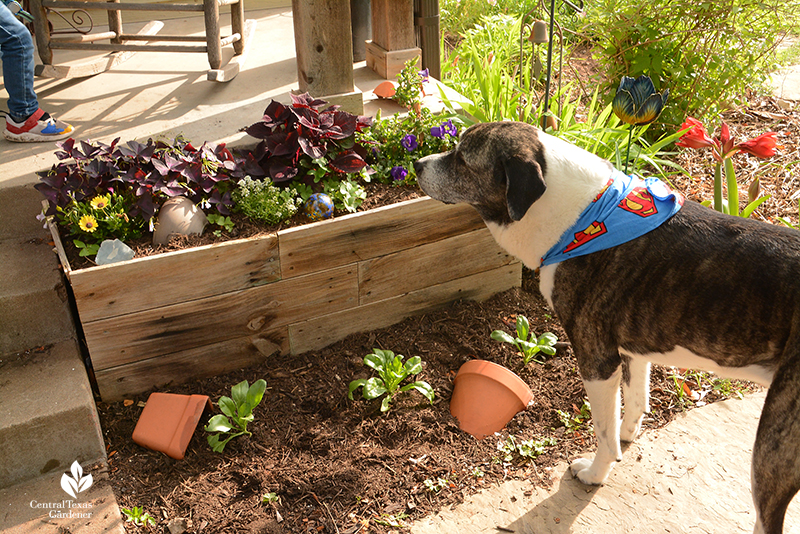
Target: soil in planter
<point>340,466</point>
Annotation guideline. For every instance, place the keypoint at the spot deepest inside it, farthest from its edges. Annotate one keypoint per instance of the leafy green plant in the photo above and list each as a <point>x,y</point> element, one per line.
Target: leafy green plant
<point>526,450</point>
<point>694,135</point>
<point>391,373</point>
<point>137,516</point>
<point>346,194</point>
<point>270,498</point>
<point>395,143</point>
<point>98,218</point>
<point>262,200</point>
<point>222,222</point>
<point>237,411</point>
<point>526,341</point>
<point>581,417</point>
<point>709,53</point>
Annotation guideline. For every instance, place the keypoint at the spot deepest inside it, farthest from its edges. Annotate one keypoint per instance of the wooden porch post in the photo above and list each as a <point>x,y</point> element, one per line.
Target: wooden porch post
<point>324,45</point>
<point>393,37</point>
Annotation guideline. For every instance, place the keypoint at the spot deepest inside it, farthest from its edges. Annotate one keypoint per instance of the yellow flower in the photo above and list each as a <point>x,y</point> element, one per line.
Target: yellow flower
<point>88,223</point>
<point>100,202</point>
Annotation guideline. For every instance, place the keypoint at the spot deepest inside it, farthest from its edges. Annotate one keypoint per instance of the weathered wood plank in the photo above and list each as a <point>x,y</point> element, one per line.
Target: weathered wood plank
<point>427,265</point>
<point>322,331</point>
<point>373,233</point>
<point>192,324</point>
<point>155,281</point>
<point>132,379</point>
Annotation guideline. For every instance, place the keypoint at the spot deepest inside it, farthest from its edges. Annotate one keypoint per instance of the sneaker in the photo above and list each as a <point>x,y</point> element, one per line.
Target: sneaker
<point>38,127</point>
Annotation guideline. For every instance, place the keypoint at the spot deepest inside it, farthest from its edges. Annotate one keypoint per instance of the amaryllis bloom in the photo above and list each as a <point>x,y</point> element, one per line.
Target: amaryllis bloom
<point>636,102</point>
<point>410,142</point>
<point>723,146</point>
<point>398,173</point>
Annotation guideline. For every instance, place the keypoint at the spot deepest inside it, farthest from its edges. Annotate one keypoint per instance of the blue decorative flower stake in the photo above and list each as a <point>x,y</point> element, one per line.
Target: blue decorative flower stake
<point>637,103</point>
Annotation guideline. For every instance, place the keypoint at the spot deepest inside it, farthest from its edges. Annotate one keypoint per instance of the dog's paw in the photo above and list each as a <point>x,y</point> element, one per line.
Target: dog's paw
<point>582,470</point>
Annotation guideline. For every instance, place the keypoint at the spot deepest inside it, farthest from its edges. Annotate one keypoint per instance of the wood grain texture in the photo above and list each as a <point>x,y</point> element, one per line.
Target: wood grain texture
<point>138,336</point>
<point>131,379</point>
<point>367,235</point>
<point>428,265</point>
<point>322,331</point>
<point>165,279</point>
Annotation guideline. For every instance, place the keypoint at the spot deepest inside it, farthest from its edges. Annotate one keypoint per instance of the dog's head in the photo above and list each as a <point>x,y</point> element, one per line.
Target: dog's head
<point>499,168</point>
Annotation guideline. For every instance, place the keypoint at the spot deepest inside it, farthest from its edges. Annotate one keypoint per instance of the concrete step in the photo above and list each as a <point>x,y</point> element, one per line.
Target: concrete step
<point>33,300</point>
<point>41,506</point>
<point>48,417</point>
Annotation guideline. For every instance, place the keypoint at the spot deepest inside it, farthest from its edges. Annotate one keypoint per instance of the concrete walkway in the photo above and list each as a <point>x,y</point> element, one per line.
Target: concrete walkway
<point>692,476</point>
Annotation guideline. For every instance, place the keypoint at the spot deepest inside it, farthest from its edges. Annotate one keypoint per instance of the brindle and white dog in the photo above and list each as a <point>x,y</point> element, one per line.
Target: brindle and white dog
<point>703,290</point>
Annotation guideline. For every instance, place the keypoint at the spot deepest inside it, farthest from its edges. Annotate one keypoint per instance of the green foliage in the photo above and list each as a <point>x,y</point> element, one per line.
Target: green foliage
<point>391,373</point>
<point>346,193</point>
<point>270,498</point>
<point>137,516</point>
<point>221,221</point>
<point>574,422</point>
<point>526,341</point>
<point>261,200</point>
<point>391,158</point>
<point>707,53</point>
<point>408,92</point>
<point>523,451</point>
<point>602,133</point>
<point>237,411</point>
<point>101,217</point>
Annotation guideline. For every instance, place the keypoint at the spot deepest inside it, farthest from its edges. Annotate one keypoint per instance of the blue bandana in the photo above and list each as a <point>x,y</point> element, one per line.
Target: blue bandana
<point>625,209</point>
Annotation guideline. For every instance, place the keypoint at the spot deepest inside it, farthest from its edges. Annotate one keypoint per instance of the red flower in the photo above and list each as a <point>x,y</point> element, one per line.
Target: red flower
<point>696,137</point>
<point>723,146</point>
<point>762,146</point>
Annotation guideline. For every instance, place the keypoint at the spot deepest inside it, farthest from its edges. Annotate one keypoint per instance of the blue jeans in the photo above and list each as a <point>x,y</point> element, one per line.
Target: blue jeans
<point>16,54</point>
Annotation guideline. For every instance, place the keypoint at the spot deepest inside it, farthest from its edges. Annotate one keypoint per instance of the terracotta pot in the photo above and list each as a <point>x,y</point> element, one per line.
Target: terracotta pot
<point>168,422</point>
<point>486,396</point>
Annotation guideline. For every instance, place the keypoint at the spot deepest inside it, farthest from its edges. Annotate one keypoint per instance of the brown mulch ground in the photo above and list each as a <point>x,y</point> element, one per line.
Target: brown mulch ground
<point>340,466</point>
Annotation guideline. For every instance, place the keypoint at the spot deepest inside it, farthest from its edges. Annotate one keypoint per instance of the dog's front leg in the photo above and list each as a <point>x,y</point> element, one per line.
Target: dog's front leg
<point>605,400</point>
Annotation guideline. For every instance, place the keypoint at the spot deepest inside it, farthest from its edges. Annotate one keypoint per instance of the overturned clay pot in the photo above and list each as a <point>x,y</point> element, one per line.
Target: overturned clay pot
<point>486,396</point>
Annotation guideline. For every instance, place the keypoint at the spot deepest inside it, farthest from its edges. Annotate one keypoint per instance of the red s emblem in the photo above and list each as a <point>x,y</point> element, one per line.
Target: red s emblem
<point>595,230</point>
<point>639,202</point>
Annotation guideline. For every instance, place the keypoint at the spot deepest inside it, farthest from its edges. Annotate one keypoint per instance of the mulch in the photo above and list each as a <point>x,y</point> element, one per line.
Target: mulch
<point>341,466</point>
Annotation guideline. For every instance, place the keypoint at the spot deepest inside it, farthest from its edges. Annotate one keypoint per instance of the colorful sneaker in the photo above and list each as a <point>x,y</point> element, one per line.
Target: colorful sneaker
<point>38,127</point>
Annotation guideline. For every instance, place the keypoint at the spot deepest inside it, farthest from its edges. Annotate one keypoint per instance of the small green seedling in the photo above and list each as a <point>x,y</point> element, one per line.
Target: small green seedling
<point>574,422</point>
<point>435,486</point>
<point>236,413</point>
<point>222,222</point>
<point>524,450</point>
<point>391,372</point>
<point>527,342</point>
<point>271,498</point>
<point>137,516</point>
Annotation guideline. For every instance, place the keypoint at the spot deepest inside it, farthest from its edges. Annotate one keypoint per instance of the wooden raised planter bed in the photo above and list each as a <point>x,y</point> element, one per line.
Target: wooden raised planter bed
<point>203,311</point>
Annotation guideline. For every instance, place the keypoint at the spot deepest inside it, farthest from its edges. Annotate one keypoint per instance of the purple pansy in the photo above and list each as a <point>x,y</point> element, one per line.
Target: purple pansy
<point>449,129</point>
<point>410,142</point>
<point>398,173</point>
<point>437,131</point>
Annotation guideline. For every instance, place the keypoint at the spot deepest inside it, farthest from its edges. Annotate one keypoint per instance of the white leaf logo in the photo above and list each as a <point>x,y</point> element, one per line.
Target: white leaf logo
<point>78,483</point>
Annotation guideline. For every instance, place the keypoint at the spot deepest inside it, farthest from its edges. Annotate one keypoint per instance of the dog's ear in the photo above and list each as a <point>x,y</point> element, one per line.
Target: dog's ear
<point>524,185</point>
